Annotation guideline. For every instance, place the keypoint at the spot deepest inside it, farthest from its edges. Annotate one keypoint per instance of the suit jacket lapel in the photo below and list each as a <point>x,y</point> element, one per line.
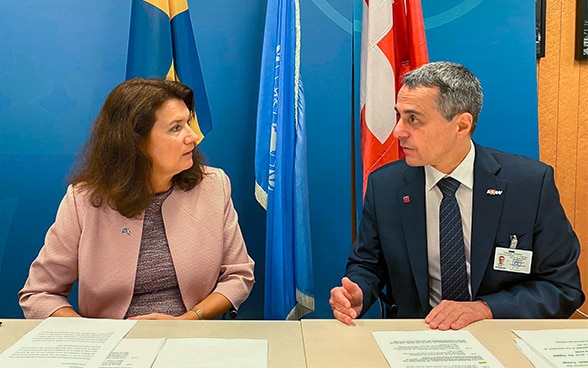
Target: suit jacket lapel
<point>415,229</point>
<point>114,242</point>
<point>179,230</point>
<point>488,197</point>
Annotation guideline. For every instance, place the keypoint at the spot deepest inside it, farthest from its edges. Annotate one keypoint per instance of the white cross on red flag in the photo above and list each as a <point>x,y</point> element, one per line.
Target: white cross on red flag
<point>392,43</point>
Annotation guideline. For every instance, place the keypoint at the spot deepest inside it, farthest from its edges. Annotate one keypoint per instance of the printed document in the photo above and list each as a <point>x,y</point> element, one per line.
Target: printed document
<point>66,343</point>
<point>535,358</point>
<point>565,348</point>
<point>99,343</point>
<point>434,349</point>
<point>213,353</point>
<point>134,353</point>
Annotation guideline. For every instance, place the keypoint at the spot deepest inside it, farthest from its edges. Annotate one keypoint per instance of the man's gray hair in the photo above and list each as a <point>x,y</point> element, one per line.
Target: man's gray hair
<point>459,90</point>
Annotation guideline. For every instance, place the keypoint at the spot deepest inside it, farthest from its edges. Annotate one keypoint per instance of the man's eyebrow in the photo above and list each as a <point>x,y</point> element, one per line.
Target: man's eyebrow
<point>409,111</point>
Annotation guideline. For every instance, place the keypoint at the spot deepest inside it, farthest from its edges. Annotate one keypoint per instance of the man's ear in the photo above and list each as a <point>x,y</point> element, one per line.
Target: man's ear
<point>464,123</point>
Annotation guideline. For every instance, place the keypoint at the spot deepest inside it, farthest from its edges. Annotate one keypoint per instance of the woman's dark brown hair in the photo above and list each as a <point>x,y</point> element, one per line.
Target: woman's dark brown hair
<point>114,165</point>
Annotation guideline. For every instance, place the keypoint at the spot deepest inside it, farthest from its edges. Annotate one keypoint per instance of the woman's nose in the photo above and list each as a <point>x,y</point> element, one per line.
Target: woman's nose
<point>192,136</point>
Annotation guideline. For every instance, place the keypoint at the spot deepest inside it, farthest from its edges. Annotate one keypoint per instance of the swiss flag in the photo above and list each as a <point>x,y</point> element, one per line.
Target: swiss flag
<point>392,43</point>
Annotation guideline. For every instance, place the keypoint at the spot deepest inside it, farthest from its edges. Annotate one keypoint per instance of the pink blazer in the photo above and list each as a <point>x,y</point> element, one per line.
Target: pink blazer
<point>99,248</point>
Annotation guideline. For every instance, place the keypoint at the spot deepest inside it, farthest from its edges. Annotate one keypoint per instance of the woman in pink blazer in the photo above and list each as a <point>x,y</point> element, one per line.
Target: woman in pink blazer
<point>145,228</point>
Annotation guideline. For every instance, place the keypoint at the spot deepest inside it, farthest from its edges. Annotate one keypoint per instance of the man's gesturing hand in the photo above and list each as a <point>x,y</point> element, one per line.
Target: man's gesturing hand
<point>346,301</point>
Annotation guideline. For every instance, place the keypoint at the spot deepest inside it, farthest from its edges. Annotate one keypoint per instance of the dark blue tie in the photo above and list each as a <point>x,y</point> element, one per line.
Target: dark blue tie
<point>454,278</point>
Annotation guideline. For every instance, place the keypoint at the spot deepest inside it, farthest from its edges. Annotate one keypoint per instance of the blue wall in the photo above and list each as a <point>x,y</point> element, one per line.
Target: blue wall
<point>58,62</point>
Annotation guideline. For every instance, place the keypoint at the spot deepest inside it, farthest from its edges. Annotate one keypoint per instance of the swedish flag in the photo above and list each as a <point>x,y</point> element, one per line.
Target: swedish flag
<point>161,44</point>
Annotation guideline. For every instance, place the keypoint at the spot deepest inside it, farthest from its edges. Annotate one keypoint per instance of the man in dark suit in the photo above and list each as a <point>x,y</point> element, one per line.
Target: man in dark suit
<point>504,207</point>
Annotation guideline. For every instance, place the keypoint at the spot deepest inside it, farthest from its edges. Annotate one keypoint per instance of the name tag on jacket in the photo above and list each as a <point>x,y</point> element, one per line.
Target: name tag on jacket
<point>513,260</point>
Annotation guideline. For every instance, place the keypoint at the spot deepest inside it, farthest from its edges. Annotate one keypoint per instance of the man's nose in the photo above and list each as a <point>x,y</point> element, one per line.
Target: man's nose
<point>399,129</point>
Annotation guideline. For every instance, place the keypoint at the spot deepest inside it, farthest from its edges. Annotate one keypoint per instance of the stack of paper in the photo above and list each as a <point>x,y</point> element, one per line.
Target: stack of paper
<point>434,348</point>
<point>562,348</point>
<point>212,353</point>
<point>66,342</point>
<point>99,343</point>
<point>188,352</point>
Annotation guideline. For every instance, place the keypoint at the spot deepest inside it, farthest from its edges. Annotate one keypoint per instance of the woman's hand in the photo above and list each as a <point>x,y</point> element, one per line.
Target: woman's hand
<point>161,316</point>
<point>65,312</point>
<point>211,307</point>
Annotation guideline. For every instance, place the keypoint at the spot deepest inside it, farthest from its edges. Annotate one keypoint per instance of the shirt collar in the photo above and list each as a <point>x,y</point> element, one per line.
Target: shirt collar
<point>464,172</point>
